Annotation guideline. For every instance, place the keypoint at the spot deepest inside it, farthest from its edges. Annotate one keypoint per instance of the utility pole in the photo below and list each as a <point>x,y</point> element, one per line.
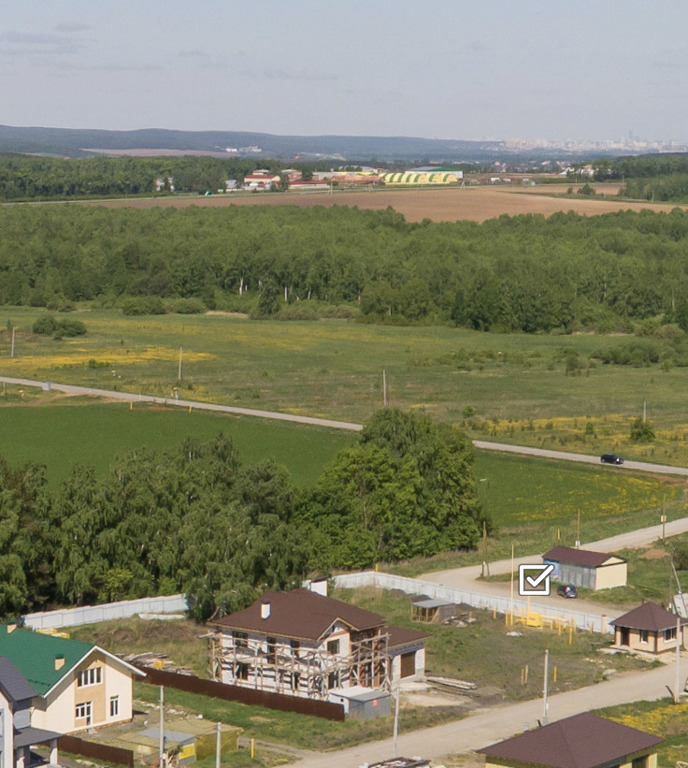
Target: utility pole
<point>396,722</point>
<point>162,726</point>
<point>485,570</point>
<point>384,388</point>
<point>544,697</point>
<point>13,329</point>
<point>511,590</point>
<point>677,692</point>
<point>179,377</point>
<point>218,746</point>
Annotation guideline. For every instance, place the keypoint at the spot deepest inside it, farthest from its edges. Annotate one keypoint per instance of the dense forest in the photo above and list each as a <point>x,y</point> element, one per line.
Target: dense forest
<point>196,520</point>
<point>47,178</point>
<point>524,273</point>
<point>656,177</point>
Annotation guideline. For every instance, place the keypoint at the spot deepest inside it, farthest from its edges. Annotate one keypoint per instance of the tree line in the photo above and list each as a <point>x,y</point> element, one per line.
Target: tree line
<point>523,273</point>
<point>46,178</point>
<point>655,177</point>
<point>196,520</point>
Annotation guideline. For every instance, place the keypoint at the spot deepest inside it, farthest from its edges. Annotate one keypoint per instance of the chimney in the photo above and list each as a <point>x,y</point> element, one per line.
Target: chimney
<point>11,628</point>
<point>265,610</point>
<point>319,586</point>
<point>59,662</point>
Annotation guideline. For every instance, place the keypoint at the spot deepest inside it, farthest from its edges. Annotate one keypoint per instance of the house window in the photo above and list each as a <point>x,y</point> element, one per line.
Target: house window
<point>670,634</point>
<point>114,706</point>
<point>333,647</point>
<point>333,680</point>
<point>93,676</point>
<point>639,762</point>
<point>83,712</point>
<point>241,671</point>
<point>644,636</point>
<point>295,647</point>
<point>272,650</point>
<point>295,678</point>
<point>240,639</point>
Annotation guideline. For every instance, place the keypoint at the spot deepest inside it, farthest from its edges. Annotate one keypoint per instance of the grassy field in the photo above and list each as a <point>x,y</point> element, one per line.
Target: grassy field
<point>516,384</point>
<point>65,434</point>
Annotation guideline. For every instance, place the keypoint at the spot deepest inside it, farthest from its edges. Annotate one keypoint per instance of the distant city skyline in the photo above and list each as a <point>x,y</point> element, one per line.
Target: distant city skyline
<point>533,70</point>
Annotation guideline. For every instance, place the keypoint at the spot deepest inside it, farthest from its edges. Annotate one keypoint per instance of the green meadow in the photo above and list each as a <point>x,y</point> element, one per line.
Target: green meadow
<point>60,436</point>
<point>521,494</point>
<point>514,386</point>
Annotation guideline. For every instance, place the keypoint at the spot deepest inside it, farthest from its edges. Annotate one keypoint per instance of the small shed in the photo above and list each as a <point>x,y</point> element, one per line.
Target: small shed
<point>585,568</point>
<point>648,628</point>
<point>361,702</point>
<point>433,611</point>
<point>407,650</point>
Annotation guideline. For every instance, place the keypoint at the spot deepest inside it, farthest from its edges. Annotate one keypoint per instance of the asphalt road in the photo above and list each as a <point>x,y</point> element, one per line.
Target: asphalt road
<point>483,445</point>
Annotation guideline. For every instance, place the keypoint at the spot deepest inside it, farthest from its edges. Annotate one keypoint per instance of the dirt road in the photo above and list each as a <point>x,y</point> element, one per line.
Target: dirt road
<point>497,723</point>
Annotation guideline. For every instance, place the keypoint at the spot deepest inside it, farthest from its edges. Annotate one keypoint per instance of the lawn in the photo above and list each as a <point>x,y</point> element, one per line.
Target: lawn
<point>515,385</point>
<point>63,434</point>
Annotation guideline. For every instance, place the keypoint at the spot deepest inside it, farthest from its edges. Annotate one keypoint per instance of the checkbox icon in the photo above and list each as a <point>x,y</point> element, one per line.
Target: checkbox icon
<point>534,579</point>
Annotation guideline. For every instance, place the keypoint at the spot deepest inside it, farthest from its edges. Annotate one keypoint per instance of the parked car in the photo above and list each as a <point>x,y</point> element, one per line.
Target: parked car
<point>611,458</point>
<point>567,590</point>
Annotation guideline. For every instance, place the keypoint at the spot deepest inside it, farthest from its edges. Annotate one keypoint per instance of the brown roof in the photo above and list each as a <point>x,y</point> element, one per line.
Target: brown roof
<point>300,614</point>
<point>572,556</point>
<point>581,741</point>
<point>647,616</point>
<point>399,636</point>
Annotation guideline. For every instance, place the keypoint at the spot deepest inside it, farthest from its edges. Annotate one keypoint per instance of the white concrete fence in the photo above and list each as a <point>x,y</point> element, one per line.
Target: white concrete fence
<point>503,605</point>
<point>91,614</point>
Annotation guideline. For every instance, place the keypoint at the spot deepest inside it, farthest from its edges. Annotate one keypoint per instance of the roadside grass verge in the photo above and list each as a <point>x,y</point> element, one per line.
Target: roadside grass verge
<point>661,718</point>
<point>296,730</point>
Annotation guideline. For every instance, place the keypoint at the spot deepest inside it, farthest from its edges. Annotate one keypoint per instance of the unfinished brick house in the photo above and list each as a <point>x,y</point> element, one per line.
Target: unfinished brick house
<point>305,644</point>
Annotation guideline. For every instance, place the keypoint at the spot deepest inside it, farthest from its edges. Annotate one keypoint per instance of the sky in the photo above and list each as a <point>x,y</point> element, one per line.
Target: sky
<point>455,69</point>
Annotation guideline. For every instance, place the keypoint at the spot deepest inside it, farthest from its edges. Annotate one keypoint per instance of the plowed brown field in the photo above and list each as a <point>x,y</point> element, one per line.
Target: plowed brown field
<point>474,204</point>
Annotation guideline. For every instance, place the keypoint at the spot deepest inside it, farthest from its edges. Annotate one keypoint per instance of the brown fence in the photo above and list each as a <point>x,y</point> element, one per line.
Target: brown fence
<point>77,746</point>
<point>279,701</point>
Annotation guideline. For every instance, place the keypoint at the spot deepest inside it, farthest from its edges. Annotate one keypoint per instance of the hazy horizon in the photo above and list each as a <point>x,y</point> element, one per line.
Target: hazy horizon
<point>447,69</point>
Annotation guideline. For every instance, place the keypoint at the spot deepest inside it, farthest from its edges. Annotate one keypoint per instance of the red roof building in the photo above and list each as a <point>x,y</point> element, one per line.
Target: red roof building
<point>648,628</point>
<point>302,643</point>
<point>581,741</point>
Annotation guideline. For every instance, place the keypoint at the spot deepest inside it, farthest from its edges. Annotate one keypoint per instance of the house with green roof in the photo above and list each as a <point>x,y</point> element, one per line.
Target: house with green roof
<point>78,685</point>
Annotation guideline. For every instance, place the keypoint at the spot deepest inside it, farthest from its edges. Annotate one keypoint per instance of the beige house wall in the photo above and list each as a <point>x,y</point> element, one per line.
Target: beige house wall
<point>57,711</point>
<point>7,734</point>
<point>610,576</point>
<point>655,642</point>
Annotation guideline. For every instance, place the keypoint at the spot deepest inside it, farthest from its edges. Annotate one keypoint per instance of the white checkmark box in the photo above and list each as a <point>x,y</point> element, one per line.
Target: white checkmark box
<point>537,583</point>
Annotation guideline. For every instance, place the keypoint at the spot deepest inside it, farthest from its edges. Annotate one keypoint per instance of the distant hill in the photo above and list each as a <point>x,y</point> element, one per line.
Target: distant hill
<point>79,142</point>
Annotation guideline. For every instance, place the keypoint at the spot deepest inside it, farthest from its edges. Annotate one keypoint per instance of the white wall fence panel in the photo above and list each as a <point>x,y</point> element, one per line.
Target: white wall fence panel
<point>91,614</point>
<point>583,621</point>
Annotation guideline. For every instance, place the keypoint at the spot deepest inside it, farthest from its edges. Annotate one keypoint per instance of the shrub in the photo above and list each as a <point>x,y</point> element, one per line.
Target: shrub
<point>143,305</point>
<point>642,431</point>
<point>68,327</point>
<point>44,325</point>
<point>186,306</point>
<point>59,328</point>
